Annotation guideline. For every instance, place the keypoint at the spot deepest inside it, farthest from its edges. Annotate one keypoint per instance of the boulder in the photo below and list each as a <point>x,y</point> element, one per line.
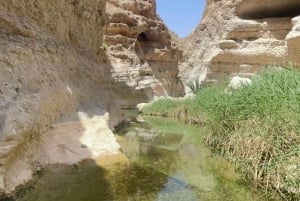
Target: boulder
<point>238,82</point>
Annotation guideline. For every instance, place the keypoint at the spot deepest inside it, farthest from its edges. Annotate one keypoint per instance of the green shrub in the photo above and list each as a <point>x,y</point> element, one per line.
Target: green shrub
<point>104,46</point>
<point>162,106</point>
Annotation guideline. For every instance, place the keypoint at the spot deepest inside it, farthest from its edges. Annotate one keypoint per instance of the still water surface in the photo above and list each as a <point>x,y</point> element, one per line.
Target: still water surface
<point>168,162</point>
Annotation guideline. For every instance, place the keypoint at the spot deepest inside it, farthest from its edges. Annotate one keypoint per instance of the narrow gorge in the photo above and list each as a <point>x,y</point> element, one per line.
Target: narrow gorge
<point>69,69</point>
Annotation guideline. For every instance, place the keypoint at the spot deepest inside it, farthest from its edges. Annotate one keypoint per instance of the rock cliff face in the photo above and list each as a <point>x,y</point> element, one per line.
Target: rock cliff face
<point>59,80</point>
<point>238,37</point>
<point>140,49</point>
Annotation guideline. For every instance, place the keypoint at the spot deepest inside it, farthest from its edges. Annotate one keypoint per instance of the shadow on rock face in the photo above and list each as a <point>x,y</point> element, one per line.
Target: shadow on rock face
<point>253,9</point>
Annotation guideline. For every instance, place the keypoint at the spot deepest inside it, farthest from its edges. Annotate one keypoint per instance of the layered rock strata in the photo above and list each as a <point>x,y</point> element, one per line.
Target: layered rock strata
<point>140,50</point>
<point>239,37</point>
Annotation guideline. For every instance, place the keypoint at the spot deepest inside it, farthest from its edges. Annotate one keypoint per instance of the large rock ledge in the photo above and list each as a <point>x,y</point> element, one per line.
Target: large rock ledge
<point>255,9</point>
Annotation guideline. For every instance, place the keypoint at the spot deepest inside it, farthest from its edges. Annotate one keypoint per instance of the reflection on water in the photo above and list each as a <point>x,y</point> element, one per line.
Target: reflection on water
<point>76,183</point>
<point>89,182</point>
<point>168,162</point>
<point>178,150</point>
<point>176,189</point>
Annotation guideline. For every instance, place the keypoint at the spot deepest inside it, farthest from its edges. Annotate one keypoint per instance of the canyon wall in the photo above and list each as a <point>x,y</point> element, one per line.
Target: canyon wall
<point>140,50</point>
<point>67,67</point>
<point>239,37</point>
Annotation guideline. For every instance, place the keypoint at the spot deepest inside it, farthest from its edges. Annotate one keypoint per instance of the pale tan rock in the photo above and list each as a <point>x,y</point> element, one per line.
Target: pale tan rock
<point>239,33</point>
<point>237,82</point>
<point>140,48</point>
<point>202,42</point>
<point>293,42</point>
<point>227,44</point>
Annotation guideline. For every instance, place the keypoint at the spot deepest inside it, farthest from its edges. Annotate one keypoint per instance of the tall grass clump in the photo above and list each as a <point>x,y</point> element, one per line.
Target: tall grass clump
<point>256,126</point>
<point>203,105</point>
<point>162,107</point>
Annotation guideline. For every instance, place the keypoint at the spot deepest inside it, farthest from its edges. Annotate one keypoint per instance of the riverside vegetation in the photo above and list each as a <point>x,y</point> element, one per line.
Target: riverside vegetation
<point>257,126</point>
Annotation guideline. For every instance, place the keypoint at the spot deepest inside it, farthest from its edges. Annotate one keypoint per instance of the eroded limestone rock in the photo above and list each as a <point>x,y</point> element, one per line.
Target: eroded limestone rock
<point>140,49</point>
<point>239,37</point>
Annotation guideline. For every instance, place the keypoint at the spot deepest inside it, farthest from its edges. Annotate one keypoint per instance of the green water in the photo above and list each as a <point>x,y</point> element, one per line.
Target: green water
<point>169,162</point>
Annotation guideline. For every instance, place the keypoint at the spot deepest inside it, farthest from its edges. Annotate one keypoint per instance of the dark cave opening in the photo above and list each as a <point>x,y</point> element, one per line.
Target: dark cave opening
<point>142,37</point>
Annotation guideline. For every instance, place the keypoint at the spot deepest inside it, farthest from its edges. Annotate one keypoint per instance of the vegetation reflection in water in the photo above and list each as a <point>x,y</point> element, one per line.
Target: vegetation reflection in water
<point>178,151</point>
<point>168,162</point>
